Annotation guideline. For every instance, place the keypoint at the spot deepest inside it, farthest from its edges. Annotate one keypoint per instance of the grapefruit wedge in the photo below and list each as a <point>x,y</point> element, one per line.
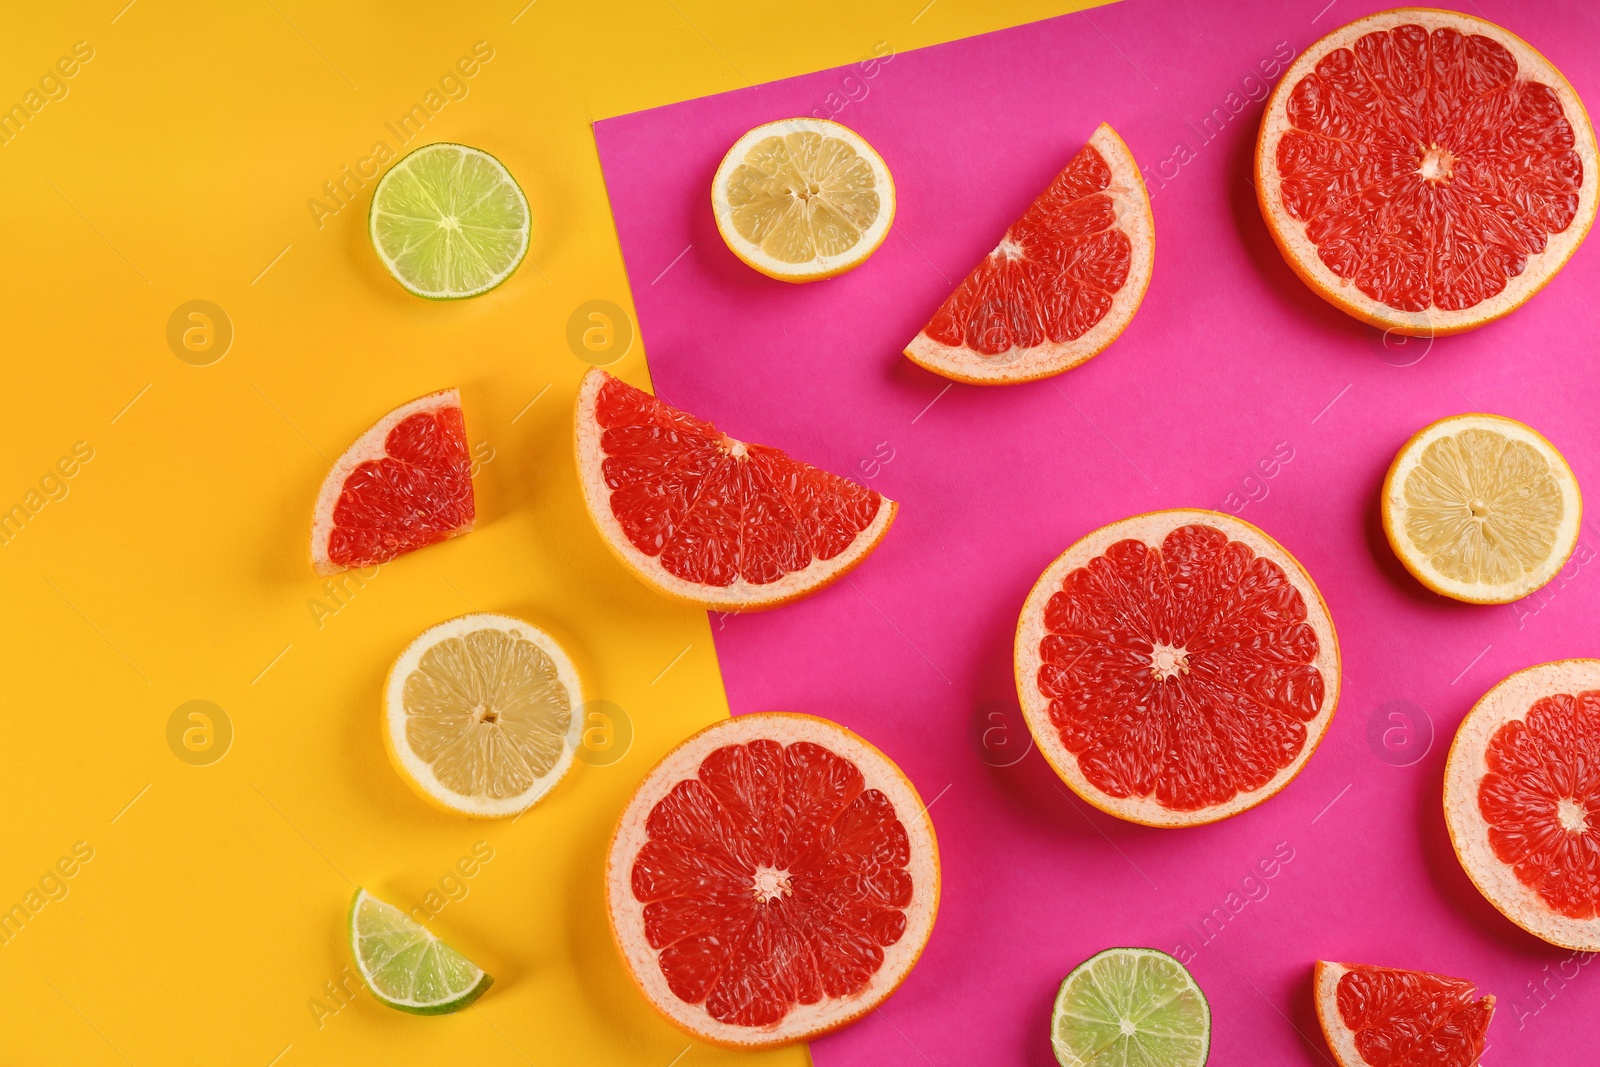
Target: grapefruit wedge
<point>1382,1017</point>
<point>1425,171</point>
<point>701,517</point>
<point>774,877</point>
<point>1176,668</point>
<point>405,483</point>
<point>1061,285</point>
<point>1522,800</point>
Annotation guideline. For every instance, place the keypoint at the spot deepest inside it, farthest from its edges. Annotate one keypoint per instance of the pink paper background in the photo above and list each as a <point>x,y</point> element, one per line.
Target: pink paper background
<point>1229,357</point>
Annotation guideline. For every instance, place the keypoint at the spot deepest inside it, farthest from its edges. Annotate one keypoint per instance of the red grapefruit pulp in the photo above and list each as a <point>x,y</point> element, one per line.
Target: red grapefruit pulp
<point>1383,1017</point>
<point>405,483</point>
<point>773,878</point>
<point>702,517</point>
<point>1176,668</point>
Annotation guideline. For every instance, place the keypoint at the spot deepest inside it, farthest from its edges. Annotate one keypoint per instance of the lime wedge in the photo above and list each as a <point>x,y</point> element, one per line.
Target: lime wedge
<point>1127,1007</point>
<point>405,966</point>
<point>449,221</point>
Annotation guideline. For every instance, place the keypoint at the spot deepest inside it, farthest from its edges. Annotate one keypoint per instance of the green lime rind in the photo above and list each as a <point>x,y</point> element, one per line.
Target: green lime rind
<point>449,221</point>
<point>405,966</point>
<point>1130,1007</point>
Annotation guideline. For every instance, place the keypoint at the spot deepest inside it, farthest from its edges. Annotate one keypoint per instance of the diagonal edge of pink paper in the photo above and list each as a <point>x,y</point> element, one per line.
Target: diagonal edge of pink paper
<point>1235,388</point>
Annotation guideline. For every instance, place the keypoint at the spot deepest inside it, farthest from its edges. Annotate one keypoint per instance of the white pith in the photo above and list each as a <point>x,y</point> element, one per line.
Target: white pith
<point>1510,701</point>
<point>1301,252</point>
<point>1152,528</point>
<point>803,1021</point>
<point>1019,364</point>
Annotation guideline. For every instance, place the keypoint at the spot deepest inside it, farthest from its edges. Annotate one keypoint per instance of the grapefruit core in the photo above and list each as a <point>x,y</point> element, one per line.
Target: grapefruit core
<point>1382,1017</point>
<point>1061,285</point>
<point>1176,668</point>
<point>1425,171</point>
<point>1522,800</point>
<point>405,483</point>
<point>774,877</point>
<point>701,517</point>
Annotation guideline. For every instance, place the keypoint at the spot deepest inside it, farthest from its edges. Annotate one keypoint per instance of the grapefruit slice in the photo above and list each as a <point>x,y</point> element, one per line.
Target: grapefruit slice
<point>1382,1017</point>
<point>803,199</point>
<point>1481,508</point>
<point>1060,286</point>
<point>774,877</point>
<point>701,517</point>
<point>1522,800</point>
<point>1425,171</point>
<point>1176,668</point>
<point>405,483</point>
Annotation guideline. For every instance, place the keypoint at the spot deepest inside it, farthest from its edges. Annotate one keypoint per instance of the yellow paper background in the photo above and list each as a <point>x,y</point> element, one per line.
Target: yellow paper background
<point>178,166</point>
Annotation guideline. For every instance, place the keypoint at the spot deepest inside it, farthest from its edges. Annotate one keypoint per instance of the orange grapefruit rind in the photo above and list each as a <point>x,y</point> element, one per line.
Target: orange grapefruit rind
<point>1151,528</point>
<point>803,1022</point>
<point>1510,701</point>
<point>1301,253</point>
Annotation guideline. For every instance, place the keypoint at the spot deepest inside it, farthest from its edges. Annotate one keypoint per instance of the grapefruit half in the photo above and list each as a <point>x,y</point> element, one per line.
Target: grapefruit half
<point>701,517</point>
<point>1061,285</point>
<point>1425,171</point>
<point>1522,800</point>
<point>1382,1017</point>
<point>405,483</point>
<point>774,877</point>
<point>1176,668</point>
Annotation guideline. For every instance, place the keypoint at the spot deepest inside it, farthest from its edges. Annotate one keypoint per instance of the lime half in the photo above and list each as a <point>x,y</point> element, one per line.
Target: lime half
<point>1130,1007</point>
<point>449,221</point>
<point>405,966</point>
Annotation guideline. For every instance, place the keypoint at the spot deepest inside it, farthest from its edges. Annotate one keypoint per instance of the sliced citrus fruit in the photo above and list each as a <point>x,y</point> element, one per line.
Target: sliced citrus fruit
<point>1425,171</point>
<point>1061,285</point>
<point>405,483</point>
<point>774,877</point>
<point>701,517</point>
<point>481,715</point>
<point>802,199</point>
<point>1382,1017</point>
<point>1481,508</point>
<point>1130,1006</point>
<point>449,221</point>
<point>405,966</point>
<point>1522,800</point>
<point>1177,667</point>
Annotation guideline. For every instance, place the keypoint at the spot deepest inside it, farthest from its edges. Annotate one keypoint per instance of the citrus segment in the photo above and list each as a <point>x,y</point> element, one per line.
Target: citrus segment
<point>1522,800</point>
<point>480,714</point>
<point>449,221</point>
<point>773,878</point>
<point>1425,171</point>
<point>1383,1017</point>
<point>405,966</point>
<point>704,518</point>
<point>1060,286</point>
<point>1481,508</point>
<point>403,484</point>
<point>1176,668</point>
<point>1130,1006</point>
<point>802,199</point>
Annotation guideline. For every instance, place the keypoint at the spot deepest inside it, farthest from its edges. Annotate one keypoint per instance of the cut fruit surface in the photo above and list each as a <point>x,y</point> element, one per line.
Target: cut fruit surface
<point>1176,668</point>
<point>1130,1007</point>
<point>1522,800</point>
<point>405,483</point>
<point>701,517</point>
<point>773,878</point>
<point>481,714</point>
<point>1383,1017</point>
<point>1425,171</point>
<point>1061,285</point>
<point>1481,508</point>
<point>405,966</point>
<point>802,199</point>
